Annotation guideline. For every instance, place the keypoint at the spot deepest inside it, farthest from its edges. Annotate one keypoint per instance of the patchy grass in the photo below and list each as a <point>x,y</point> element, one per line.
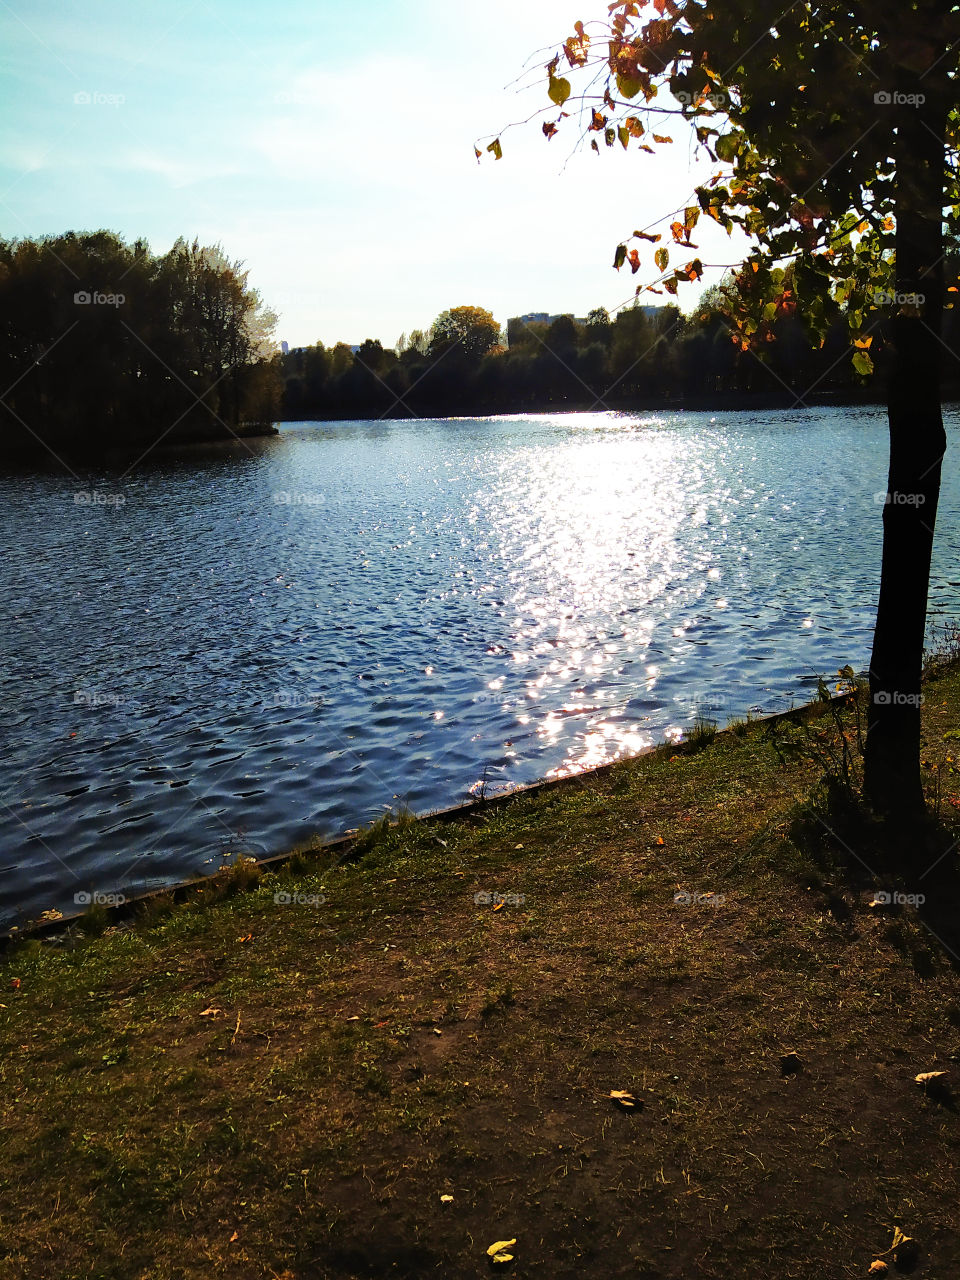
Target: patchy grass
<point>282,1077</point>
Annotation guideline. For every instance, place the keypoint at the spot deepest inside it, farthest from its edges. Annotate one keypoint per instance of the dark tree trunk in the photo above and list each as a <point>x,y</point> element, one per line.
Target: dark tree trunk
<point>892,779</point>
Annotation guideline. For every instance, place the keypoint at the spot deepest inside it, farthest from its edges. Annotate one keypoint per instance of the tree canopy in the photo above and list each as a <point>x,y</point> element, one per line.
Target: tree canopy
<point>107,345</point>
<point>470,331</point>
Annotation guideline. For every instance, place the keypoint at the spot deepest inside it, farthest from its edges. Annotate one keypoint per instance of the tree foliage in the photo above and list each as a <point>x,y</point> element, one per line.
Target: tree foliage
<point>800,116</point>
<point>470,332</point>
<point>107,345</point>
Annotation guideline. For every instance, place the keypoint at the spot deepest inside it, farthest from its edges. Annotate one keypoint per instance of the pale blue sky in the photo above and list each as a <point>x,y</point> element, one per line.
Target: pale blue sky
<point>330,146</point>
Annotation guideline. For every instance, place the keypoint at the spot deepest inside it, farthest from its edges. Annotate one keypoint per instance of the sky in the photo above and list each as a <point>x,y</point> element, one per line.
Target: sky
<point>330,148</point>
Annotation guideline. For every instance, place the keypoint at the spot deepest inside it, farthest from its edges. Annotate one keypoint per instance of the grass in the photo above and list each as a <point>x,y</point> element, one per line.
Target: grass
<point>282,1076</point>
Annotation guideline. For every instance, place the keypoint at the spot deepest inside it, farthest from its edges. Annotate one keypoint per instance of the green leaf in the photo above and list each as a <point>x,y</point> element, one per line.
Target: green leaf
<point>728,146</point>
<point>862,363</point>
<point>628,86</point>
<point>621,256</point>
<point>559,89</point>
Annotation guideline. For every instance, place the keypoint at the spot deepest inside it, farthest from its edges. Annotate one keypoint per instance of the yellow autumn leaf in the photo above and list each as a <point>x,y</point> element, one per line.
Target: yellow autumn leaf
<point>623,1097</point>
<point>925,1076</point>
<point>498,1251</point>
<point>878,1268</point>
<point>446,1199</point>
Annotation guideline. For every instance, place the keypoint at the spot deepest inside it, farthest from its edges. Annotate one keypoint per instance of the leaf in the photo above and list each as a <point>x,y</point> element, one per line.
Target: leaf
<point>645,235</point>
<point>501,1244</point>
<point>878,1268</point>
<point>558,89</point>
<point>623,1098</point>
<point>863,364</point>
<point>926,1076</point>
<point>549,128</point>
<point>496,148</point>
<point>620,257</point>
<point>623,133</point>
<point>661,258</point>
<point>628,86</point>
<point>498,1252</point>
<point>212,1012</point>
<point>446,1199</point>
<point>661,137</point>
<point>728,146</point>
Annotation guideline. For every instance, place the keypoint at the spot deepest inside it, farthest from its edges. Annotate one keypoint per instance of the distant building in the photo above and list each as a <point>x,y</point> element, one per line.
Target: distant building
<point>285,348</point>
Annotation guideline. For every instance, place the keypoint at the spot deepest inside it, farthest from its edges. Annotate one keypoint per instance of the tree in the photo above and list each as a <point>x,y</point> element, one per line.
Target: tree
<point>835,130</point>
<point>471,331</point>
<point>106,345</point>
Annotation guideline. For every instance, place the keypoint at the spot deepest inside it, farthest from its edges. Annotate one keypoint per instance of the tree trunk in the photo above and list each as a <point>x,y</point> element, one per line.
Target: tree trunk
<point>892,779</point>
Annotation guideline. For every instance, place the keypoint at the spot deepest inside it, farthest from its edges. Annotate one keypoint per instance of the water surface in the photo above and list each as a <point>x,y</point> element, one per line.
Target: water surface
<point>288,637</point>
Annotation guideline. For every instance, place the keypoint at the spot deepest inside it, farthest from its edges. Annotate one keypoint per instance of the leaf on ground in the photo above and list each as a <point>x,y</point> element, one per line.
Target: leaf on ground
<point>235,1237</point>
<point>446,1199</point>
<point>623,1098</point>
<point>212,1012</point>
<point>878,1268</point>
<point>498,1252</point>
<point>926,1076</point>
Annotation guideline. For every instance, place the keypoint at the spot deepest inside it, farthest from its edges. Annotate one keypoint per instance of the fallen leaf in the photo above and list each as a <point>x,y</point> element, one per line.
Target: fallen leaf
<point>446,1199</point>
<point>247,938</point>
<point>235,1237</point>
<point>878,1268</point>
<point>623,1098</point>
<point>497,1252</point>
<point>212,1012</point>
<point>15,984</point>
<point>926,1076</point>
<point>355,1018</point>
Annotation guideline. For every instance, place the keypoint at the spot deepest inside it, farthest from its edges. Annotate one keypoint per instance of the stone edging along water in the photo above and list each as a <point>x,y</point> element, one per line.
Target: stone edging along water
<point>179,890</point>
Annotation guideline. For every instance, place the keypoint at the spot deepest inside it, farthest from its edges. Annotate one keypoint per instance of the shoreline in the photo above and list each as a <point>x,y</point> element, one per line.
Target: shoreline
<point>343,843</point>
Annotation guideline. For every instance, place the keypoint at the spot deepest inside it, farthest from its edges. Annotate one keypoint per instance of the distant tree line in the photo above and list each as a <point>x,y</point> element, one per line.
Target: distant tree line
<point>645,357</point>
<point>106,345</point>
